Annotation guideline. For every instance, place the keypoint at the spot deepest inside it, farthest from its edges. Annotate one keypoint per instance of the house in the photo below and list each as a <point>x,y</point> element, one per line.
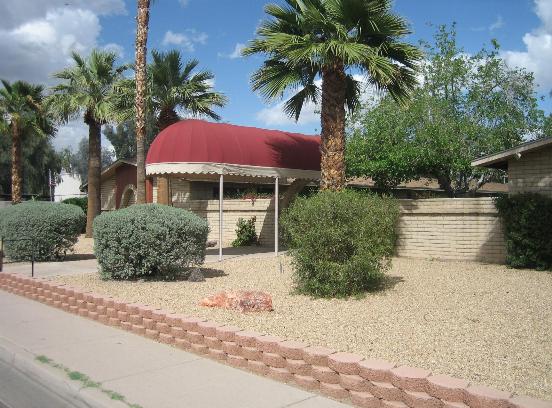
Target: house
<point>529,166</point>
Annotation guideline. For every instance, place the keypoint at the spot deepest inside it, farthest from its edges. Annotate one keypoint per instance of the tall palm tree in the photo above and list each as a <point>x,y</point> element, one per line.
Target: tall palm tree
<point>172,87</point>
<point>87,90</point>
<point>22,114</point>
<point>142,25</point>
<point>306,40</point>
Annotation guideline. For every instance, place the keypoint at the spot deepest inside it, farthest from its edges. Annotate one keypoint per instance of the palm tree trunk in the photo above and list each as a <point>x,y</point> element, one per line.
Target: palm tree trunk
<point>140,103</point>
<point>332,164</point>
<point>16,163</point>
<point>166,118</point>
<point>94,174</point>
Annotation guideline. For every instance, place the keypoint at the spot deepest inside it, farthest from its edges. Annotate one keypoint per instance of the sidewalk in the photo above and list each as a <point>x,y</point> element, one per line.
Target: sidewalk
<point>147,373</point>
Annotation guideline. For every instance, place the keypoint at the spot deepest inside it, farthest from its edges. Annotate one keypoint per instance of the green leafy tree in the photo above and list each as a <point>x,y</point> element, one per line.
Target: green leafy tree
<point>87,89</point>
<point>305,40</point>
<point>22,116</point>
<point>123,137</point>
<point>467,107</point>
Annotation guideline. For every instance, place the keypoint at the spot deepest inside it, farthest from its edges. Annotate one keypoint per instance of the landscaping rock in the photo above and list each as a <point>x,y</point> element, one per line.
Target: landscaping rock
<point>196,275</point>
<point>242,300</point>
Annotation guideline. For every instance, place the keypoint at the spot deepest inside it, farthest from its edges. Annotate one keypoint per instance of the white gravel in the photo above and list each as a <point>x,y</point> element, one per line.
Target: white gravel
<point>485,323</point>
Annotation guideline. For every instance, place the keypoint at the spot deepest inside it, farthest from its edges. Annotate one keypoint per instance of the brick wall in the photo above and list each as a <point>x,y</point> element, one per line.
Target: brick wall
<point>262,209</point>
<point>365,383</point>
<point>531,173</point>
<point>451,228</point>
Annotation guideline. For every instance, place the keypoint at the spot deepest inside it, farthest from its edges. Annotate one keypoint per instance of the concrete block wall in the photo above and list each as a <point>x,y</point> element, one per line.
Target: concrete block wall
<point>367,383</point>
<point>447,228</point>
<point>531,173</point>
<point>262,209</point>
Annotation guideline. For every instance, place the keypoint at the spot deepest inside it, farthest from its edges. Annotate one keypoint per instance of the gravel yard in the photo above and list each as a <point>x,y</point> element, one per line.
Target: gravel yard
<point>485,323</point>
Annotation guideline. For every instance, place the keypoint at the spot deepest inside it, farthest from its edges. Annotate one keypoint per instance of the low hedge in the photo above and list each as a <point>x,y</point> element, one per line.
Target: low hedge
<point>340,242</point>
<point>148,240</point>
<point>81,202</point>
<point>47,229</point>
<point>527,220</point>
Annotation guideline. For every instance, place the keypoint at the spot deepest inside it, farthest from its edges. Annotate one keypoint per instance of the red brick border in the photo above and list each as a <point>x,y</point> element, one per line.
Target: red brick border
<point>344,376</point>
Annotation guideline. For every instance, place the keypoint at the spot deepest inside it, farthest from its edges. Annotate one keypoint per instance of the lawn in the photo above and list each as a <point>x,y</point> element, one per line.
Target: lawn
<point>485,323</point>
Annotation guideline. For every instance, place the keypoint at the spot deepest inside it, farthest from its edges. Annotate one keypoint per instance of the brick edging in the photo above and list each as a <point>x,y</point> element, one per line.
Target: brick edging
<point>366,383</point>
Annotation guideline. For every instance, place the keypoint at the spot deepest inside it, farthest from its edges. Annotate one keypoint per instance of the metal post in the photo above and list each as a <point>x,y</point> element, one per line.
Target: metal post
<point>1,254</point>
<point>32,262</point>
<point>276,215</point>
<point>221,199</point>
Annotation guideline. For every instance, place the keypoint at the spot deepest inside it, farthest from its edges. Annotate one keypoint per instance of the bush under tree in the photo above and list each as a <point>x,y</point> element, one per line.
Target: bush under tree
<point>49,230</point>
<point>527,220</point>
<point>148,240</point>
<point>340,242</point>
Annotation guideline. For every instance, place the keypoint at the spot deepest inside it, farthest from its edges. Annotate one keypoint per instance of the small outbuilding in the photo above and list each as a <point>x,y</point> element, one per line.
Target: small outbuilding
<point>529,166</point>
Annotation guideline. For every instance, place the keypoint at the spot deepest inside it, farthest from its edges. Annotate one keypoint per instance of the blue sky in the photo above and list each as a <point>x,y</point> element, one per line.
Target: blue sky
<point>212,31</point>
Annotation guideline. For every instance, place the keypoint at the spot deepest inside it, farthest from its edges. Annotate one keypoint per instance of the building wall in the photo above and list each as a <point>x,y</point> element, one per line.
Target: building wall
<point>108,192</point>
<point>262,209</point>
<point>531,173</point>
<point>125,175</point>
<point>451,228</point>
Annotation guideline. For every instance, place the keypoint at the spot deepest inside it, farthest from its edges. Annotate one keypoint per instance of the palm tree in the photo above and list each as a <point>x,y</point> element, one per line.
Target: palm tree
<point>22,114</point>
<point>142,25</point>
<point>173,87</point>
<point>87,90</point>
<point>329,39</point>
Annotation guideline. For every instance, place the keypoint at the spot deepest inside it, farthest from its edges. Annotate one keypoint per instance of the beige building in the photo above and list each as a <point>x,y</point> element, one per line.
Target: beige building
<point>529,166</point>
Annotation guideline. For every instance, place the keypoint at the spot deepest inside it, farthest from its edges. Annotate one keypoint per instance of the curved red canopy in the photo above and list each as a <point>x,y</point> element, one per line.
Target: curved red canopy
<point>197,146</point>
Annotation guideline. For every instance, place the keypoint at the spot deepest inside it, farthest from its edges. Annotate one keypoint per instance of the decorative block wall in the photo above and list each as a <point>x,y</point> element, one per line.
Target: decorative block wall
<point>531,173</point>
<point>366,383</point>
<point>451,228</point>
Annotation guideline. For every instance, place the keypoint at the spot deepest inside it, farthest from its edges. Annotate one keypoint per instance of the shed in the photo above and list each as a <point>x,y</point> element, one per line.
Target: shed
<point>529,166</point>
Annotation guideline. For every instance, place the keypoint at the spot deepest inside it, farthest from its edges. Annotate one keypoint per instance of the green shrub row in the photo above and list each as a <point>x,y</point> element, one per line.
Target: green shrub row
<point>49,230</point>
<point>340,242</point>
<point>148,240</point>
<point>527,220</point>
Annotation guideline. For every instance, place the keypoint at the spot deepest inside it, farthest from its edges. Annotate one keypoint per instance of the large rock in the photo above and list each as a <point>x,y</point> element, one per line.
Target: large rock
<point>242,300</point>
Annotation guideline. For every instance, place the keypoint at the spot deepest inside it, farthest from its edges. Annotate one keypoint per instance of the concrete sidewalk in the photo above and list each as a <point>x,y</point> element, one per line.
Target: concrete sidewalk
<point>147,373</point>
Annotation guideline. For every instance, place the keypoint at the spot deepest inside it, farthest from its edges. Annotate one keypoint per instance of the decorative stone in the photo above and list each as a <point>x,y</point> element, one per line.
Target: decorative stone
<point>242,300</point>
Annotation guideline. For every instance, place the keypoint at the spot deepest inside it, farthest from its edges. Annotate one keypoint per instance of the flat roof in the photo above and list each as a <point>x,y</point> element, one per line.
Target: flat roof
<point>500,160</point>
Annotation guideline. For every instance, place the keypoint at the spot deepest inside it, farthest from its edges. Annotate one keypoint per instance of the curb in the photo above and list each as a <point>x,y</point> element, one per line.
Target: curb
<point>24,362</point>
<point>349,378</point>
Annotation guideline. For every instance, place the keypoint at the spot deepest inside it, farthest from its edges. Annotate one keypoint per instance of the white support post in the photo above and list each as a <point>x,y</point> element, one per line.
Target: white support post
<point>276,215</point>
<point>221,199</point>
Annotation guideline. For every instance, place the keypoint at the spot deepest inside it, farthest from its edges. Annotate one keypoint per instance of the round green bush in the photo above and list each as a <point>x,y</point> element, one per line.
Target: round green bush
<point>148,240</point>
<point>527,220</point>
<point>82,202</point>
<point>47,229</point>
<point>340,242</point>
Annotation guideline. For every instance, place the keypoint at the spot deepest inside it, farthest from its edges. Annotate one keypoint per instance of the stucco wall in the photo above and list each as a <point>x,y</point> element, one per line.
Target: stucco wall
<point>108,192</point>
<point>531,173</point>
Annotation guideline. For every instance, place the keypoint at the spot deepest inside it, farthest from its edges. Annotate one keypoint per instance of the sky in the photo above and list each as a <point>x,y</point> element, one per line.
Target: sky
<point>37,37</point>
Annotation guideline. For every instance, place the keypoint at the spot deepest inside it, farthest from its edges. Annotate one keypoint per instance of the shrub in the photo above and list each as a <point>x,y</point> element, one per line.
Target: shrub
<point>527,220</point>
<point>48,229</point>
<point>81,202</point>
<point>148,240</point>
<point>340,242</point>
<point>245,233</point>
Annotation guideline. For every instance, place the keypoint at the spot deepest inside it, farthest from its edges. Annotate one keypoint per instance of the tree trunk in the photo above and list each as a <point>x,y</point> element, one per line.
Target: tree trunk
<point>16,163</point>
<point>142,19</point>
<point>166,118</point>
<point>332,146</point>
<point>94,172</point>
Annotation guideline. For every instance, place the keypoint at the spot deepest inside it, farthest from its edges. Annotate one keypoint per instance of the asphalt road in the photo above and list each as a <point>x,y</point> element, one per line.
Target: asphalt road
<point>17,390</point>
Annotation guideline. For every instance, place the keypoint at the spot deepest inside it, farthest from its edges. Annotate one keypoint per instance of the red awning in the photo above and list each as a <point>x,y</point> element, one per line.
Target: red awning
<point>200,147</point>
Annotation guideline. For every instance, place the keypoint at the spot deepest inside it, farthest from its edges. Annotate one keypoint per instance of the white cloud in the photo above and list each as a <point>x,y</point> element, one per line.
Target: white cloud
<point>499,23</point>
<point>14,13</point>
<point>116,48</point>
<point>184,3</point>
<point>237,51</point>
<point>274,115</point>
<point>537,56</point>
<point>186,40</point>
<point>70,134</point>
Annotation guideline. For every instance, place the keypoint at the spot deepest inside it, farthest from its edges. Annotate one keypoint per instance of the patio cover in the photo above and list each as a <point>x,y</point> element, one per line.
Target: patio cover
<point>200,147</point>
